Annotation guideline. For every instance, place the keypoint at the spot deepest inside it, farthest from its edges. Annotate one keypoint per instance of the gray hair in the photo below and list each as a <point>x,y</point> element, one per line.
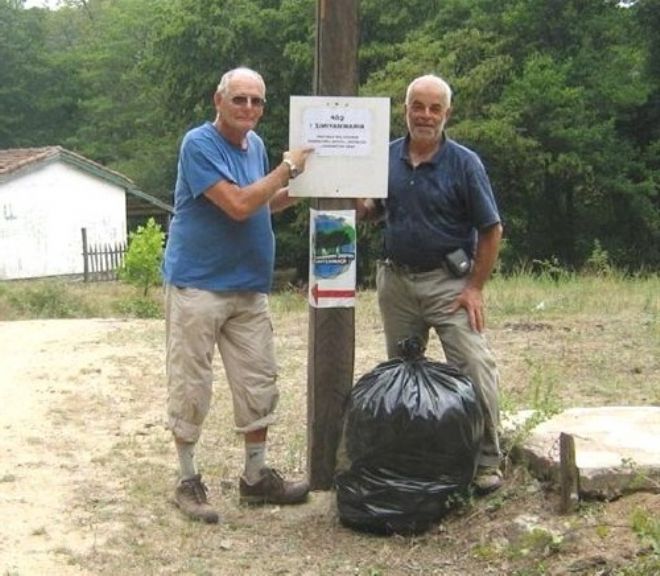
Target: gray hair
<point>240,71</point>
<point>439,82</point>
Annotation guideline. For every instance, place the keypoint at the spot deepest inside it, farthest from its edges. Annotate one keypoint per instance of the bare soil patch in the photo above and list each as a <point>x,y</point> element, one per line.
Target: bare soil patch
<point>88,468</point>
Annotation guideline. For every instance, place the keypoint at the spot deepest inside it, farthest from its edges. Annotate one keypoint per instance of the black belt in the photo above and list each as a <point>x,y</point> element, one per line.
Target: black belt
<point>413,268</point>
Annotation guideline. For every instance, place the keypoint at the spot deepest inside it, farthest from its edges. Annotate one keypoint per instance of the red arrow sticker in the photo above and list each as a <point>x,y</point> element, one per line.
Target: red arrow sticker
<point>317,293</point>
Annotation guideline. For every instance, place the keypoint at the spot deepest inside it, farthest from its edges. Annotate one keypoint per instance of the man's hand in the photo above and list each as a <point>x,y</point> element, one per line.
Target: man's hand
<point>298,156</point>
<point>369,209</point>
<point>363,208</point>
<point>282,200</point>
<point>471,298</point>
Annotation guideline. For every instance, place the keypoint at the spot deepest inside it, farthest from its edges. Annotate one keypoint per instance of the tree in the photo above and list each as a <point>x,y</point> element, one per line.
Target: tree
<point>141,266</point>
<point>121,120</point>
<point>37,92</point>
<point>561,99</point>
<point>541,92</point>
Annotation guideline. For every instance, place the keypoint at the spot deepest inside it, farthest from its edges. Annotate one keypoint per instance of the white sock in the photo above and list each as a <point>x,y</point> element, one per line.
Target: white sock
<point>186,452</point>
<point>255,460</point>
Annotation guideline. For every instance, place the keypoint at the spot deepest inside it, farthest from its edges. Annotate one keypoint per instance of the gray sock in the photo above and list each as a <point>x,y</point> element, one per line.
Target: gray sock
<point>255,460</point>
<point>186,452</point>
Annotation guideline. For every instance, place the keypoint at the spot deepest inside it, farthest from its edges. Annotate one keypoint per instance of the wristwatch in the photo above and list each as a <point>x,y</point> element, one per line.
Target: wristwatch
<point>293,169</point>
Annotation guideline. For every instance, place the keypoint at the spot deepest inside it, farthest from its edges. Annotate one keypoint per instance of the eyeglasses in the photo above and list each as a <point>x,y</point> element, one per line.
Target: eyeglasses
<point>418,107</point>
<point>242,101</point>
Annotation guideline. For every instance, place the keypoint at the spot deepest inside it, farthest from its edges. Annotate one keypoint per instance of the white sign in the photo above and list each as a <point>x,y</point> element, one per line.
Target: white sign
<point>350,137</point>
<point>332,250</point>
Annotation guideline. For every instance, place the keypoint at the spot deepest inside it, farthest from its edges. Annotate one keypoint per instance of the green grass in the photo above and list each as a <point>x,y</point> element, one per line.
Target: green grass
<point>520,296</point>
<point>57,298</point>
<point>527,296</point>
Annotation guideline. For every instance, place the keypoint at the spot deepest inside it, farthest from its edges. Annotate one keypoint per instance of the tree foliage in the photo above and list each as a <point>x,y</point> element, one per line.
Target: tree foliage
<point>560,98</point>
<point>141,265</point>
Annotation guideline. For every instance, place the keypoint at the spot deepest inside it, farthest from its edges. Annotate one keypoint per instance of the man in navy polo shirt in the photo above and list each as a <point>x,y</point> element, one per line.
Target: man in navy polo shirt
<point>441,234</point>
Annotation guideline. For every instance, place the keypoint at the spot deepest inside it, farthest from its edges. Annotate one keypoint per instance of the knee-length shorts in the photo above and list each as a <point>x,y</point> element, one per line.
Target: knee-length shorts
<point>239,324</point>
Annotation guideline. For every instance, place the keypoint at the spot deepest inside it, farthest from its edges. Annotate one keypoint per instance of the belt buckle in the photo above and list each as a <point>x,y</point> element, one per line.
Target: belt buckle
<point>389,263</point>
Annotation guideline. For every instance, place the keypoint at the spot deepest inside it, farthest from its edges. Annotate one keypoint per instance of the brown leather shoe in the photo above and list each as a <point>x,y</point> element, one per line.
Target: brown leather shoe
<point>190,497</point>
<point>487,480</point>
<point>273,489</point>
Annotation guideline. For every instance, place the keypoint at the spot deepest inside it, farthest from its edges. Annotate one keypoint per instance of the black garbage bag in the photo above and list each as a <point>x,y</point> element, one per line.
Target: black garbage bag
<point>412,437</point>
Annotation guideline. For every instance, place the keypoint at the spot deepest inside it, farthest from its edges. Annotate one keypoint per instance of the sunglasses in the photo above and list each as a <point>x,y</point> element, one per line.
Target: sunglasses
<point>255,101</point>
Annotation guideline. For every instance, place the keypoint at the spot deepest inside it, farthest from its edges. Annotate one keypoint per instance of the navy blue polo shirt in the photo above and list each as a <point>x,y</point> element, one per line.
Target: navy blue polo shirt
<point>438,206</point>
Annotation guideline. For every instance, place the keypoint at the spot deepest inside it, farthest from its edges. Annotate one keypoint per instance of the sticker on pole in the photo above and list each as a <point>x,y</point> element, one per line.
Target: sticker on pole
<point>333,247</point>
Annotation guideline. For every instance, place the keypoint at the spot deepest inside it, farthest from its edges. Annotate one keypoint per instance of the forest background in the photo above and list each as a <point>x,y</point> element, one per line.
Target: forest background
<point>560,98</point>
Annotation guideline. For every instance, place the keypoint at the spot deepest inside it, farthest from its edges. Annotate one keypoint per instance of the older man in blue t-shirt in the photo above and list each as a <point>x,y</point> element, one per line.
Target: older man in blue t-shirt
<point>218,269</point>
<point>441,237</point>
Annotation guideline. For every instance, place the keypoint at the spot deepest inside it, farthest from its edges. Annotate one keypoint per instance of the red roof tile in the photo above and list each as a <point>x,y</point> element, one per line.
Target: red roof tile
<point>13,159</point>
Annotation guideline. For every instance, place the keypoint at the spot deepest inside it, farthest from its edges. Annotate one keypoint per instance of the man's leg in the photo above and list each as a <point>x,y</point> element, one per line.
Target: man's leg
<point>190,342</point>
<point>186,453</point>
<point>255,455</point>
<point>248,353</point>
<point>469,352</point>
<point>400,313</point>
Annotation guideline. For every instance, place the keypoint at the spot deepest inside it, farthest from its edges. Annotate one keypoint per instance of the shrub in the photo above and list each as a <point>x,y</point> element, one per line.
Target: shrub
<point>598,263</point>
<point>141,266</point>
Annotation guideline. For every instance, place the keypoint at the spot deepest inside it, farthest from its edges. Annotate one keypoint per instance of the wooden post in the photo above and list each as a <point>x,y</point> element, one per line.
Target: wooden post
<point>85,255</point>
<point>331,353</point>
<point>568,472</point>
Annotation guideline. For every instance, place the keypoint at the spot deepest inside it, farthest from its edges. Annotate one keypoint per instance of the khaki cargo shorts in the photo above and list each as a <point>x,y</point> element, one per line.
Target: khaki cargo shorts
<point>239,324</point>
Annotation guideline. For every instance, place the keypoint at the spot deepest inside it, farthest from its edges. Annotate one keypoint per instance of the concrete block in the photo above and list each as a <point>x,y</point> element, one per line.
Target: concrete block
<point>617,448</point>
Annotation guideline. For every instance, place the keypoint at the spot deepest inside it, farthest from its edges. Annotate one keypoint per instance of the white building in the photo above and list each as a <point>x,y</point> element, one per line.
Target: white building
<point>47,196</point>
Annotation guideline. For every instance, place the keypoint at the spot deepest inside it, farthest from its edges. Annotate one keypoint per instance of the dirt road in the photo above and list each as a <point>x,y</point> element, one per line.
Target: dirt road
<point>53,373</point>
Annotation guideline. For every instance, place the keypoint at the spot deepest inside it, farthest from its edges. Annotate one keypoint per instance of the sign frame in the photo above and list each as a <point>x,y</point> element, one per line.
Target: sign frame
<point>351,138</point>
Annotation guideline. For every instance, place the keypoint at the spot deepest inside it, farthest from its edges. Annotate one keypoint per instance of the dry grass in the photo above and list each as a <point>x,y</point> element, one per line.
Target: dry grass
<point>575,342</point>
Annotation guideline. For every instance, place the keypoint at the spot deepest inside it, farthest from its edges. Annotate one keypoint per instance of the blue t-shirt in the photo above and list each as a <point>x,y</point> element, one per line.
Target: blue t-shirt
<point>436,207</point>
<point>206,248</point>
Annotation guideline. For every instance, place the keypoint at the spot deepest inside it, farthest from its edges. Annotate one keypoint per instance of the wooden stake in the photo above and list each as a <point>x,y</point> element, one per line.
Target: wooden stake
<point>569,474</point>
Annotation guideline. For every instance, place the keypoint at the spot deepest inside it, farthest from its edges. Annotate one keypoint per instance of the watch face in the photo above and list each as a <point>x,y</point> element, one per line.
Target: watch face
<point>293,171</point>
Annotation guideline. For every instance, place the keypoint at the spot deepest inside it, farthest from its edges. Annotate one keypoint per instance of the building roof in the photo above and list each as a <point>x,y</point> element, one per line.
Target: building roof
<point>14,162</point>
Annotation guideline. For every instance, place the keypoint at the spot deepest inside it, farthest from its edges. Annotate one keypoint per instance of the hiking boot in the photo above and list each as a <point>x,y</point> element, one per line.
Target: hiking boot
<point>487,480</point>
<point>190,498</point>
<point>273,489</point>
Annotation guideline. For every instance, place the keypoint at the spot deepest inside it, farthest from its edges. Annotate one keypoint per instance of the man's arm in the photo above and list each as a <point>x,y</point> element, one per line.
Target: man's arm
<point>370,209</point>
<point>240,203</point>
<point>471,298</point>
<point>488,246</point>
<point>282,200</point>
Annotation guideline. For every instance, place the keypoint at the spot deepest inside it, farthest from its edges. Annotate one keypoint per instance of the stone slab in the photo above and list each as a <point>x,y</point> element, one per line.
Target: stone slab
<point>617,448</point>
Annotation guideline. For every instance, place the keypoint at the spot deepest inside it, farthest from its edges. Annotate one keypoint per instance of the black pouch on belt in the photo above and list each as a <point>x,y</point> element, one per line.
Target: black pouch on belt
<point>458,262</point>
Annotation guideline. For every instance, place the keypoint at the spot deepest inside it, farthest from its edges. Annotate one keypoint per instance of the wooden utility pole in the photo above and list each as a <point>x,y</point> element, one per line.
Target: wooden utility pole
<point>331,330</point>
